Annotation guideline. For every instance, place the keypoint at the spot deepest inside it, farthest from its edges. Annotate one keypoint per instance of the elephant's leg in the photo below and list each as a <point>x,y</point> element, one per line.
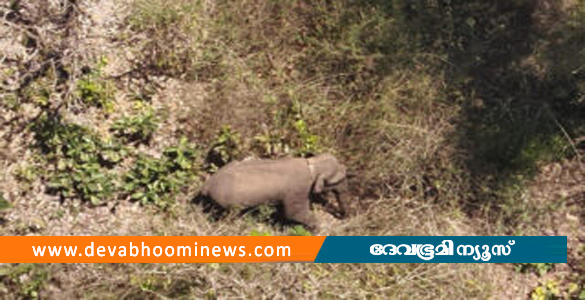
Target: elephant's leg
<point>297,208</point>
<point>343,204</point>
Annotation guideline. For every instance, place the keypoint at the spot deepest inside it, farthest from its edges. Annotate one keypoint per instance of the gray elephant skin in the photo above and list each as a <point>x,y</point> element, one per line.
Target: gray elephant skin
<point>290,181</point>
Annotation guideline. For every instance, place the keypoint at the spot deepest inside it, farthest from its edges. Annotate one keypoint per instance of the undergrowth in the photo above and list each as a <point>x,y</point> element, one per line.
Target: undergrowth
<point>81,161</point>
<point>139,127</point>
<point>93,90</point>
<point>157,180</point>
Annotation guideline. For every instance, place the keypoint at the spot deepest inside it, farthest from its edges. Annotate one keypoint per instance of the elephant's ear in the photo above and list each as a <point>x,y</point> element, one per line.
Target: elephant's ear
<point>319,184</point>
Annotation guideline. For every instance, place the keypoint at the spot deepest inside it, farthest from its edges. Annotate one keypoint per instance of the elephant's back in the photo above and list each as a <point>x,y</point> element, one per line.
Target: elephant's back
<point>250,183</point>
<point>256,184</point>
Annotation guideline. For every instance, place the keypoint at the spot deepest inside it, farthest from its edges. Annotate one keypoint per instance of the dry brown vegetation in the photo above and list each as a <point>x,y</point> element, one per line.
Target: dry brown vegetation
<point>457,118</point>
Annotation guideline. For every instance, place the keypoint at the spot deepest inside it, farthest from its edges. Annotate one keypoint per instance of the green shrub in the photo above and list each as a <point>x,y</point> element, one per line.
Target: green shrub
<point>307,143</point>
<point>4,204</point>
<point>291,135</point>
<point>299,230</point>
<point>547,291</point>
<point>225,148</point>
<point>157,180</point>
<point>538,268</point>
<point>86,181</point>
<point>26,281</point>
<point>264,213</point>
<point>256,232</point>
<point>81,160</point>
<point>271,143</point>
<point>39,91</point>
<point>137,128</point>
<point>93,90</point>
<point>27,174</point>
<point>10,101</point>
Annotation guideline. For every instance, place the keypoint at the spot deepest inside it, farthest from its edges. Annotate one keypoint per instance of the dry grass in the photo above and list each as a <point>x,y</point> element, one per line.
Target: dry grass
<point>269,280</point>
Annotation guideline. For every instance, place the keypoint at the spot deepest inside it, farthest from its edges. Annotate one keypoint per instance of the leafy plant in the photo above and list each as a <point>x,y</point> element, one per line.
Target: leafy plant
<point>81,160</point>
<point>25,280</point>
<point>226,147</point>
<point>549,290</point>
<point>255,232</point>
<point>94,90</point>
<point>10,101</point>
<point>299,230</point>
<point>155,181</point>
<point>39,91</point>
<point>271,143</point>
<point>574,290</point>
<point>308,143</point>
<point>137,128</point>
<point>4,204</point>
<point>539,268</point>
<point>84,180</point>
<point>298,141</point>
<point>290,135</point>
<point>264,213</point>
<point>27,174</point>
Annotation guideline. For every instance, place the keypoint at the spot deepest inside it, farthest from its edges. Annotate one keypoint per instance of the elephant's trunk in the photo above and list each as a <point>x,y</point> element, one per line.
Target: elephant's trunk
<point>342,199</point>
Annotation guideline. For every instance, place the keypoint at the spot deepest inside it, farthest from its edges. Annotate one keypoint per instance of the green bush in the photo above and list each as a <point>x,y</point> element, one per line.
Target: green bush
<point>299,230</point>
<point>291,135</point>
<point>26,280</point>
<point>548,291</point>
<point>308,143</point>
<point>81,160</point>
<point>137,128</point>
<point>4,204</point>
<point>256,232</point>
<point>39,91</point>
<point>93,90</point>
<point>271,143</point>
<point>538,268</point>
<point>225,148</point>
<point>157,180</point>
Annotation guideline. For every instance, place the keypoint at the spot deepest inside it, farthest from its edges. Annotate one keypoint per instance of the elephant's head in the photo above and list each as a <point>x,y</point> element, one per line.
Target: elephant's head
<point>328,173</point>
<point>330,176</point>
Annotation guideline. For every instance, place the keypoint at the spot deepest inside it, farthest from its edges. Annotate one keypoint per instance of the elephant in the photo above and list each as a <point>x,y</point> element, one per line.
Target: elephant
<point>290,181</point>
